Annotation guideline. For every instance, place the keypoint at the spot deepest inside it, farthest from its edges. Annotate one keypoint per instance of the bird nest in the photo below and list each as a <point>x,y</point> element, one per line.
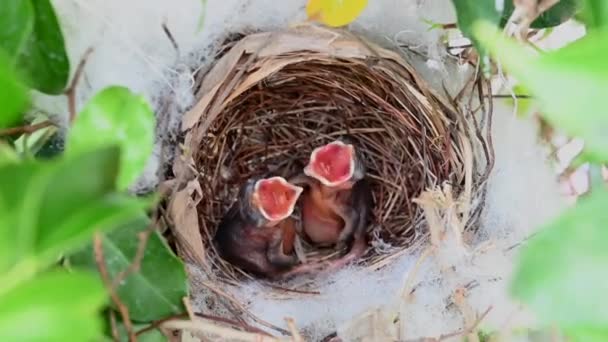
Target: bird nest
<point>271,97</point>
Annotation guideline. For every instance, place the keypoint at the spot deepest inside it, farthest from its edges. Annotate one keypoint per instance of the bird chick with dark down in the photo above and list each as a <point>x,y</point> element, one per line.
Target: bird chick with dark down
<point>257,234</point>
<point>338,204</point>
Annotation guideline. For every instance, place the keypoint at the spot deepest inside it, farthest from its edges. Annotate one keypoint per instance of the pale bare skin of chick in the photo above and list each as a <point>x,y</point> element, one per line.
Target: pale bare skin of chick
<point>337,204</point>
<point>257,234</point>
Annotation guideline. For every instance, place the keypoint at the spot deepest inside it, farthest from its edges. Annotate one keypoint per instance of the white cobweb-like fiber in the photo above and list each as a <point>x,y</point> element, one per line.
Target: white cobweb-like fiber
<point>132,50</point>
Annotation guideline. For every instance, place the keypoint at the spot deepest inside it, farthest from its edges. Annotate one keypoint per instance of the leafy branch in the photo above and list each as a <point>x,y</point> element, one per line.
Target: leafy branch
<point>74,206</point>
<point>561,271</point>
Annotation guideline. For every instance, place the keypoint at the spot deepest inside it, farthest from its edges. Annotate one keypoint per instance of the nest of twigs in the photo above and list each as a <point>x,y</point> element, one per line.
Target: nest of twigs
<point>272,97</point>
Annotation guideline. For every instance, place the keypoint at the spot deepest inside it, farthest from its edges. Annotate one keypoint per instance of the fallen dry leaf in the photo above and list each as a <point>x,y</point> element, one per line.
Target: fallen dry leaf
<point>185,216</point>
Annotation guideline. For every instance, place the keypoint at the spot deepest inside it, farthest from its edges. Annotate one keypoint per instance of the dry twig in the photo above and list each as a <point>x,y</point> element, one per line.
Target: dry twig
<point>70,92</point>
<point>295,334</point>
<point>105,276</point>
<point>113,326</point>
<point>170,37</point>
<point>222,320</point>
<point>135,264</point>
<point>27,129</point>
<point>471,328</point>
<point>206,326</point>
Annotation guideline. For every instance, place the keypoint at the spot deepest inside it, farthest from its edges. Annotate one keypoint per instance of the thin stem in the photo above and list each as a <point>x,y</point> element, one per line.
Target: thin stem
<point>71,91</point>
<point>27,129</point>
<point>105,276</point>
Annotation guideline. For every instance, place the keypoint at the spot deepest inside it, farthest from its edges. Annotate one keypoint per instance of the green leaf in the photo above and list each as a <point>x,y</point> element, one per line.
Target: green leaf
<point>470,11</point>
<point>156,291</point>
<point>104,214</point>
<point>76,184</point>
<point>16,181</point>
<point>584,334</point>
<point>40,196</point>
<point>8,154</point>
<point>570,84</point>
<point>43,57</point>
<point>562,272</point>
<point>14,97</point>
<point>16,25</point>
<point>594,13</point>
<point>556,15</point>
<point>49,208</point>
<point>55,306</point>
<point>151,336</point>
<point>31,36</point>
<point>116,116</point>
<point>482,336</point>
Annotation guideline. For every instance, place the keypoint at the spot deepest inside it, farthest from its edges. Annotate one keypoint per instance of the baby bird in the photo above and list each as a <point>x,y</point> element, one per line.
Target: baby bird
<point>257,234</point>
<point>338,204</point>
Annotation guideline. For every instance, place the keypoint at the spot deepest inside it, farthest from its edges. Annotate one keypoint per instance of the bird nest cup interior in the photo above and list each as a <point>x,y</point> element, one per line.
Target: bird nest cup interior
<point>270,98</point>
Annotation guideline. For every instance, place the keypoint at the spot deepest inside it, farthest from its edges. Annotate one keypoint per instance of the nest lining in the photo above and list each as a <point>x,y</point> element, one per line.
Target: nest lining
<point>273,97</point>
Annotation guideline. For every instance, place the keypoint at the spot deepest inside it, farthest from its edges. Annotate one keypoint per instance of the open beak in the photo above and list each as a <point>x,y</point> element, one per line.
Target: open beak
<point>276,198</point>
<point>332,164</point>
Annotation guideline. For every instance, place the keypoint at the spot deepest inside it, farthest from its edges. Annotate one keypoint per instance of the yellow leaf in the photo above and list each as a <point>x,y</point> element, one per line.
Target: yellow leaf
<point>335,12</point>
